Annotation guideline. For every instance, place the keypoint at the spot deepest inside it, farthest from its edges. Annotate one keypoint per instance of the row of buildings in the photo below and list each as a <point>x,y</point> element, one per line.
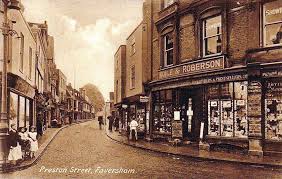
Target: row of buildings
<point>205,71</point>
<point>37,90</point>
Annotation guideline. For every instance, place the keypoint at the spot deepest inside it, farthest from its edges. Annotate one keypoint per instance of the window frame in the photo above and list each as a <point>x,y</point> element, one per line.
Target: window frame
<point>21,67</point>
<point>264,25</point>
<point>203,35</point>
<point>165,50</point>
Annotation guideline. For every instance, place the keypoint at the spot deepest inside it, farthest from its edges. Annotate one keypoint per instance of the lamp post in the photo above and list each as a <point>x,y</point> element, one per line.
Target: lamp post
<point>6,31</point>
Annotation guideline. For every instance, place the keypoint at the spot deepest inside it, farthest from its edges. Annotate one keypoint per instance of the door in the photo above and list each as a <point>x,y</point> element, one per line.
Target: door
<point>191,102</point>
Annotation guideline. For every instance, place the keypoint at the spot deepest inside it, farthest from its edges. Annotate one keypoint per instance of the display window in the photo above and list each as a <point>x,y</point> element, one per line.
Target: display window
<point>273,110</point>
<point>19,111</point>
<point>272,23</point>
<point>227,113</point>
<point>140,117</point>
<point>163,112</point>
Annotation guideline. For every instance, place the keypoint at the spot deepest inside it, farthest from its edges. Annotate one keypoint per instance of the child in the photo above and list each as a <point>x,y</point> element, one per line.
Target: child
<point>33,141</point>
<point>24,141</point>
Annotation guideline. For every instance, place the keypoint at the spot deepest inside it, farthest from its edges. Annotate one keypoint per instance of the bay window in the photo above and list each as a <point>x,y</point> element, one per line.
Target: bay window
<point>272,23</point>
<point>212,35</point>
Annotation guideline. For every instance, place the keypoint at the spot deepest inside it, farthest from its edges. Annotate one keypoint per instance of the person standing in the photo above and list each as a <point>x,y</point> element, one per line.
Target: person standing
<point>133,128</point>
<point>100,120</point>
<point>111,121</point>
<point>15,152</point>
<point>33,141</point>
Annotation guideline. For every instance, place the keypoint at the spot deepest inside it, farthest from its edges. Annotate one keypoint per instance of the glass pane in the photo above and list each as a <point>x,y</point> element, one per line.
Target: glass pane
<point>214,117</point>
<point>227,90</point>
<point>241,123</point>
<point>240,90</point>
<point>213,92</point>
<point>213,45</point>
<point>169,95</point>
<point>22,112</point>
<point>13,114</point>
<point>273,11</point>
<point>273,34</point>
<point>27,114</point>
<point>227,118</point>
<point>273,118</point>
<point>169,41</point>
<point>169,57</point>
<point>212,26</point>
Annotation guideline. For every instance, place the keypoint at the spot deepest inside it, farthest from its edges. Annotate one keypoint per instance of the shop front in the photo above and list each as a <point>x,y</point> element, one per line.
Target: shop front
<point>20,102</point>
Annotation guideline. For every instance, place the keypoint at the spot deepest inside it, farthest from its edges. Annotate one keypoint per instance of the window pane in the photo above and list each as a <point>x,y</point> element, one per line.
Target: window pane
<point>169,57</point>
<point>227,118</point>
<point>27,114</point>
<point>213,45</point>
<point>22,112</point>
<point>240,89</point>
<point>214,117</point>
<point>169,41</point>
<point>273,34</point>
<point>212,26</point>
<point>227,90</point>
<point>273,11</point>
<point>13,109</point>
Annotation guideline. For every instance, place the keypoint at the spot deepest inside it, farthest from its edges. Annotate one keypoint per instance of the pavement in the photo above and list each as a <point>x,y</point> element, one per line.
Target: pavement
<point>43,143</point>
<point>192,151</point>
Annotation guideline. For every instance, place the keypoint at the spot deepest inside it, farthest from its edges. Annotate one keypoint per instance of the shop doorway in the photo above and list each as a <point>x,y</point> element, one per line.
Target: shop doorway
<point>191,102</point>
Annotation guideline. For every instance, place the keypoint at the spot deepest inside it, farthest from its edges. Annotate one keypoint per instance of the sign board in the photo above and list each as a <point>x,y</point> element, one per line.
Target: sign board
<point>176,115</point>
<point>144,99</point>
<point>177,129</point>
<point>193,67</point>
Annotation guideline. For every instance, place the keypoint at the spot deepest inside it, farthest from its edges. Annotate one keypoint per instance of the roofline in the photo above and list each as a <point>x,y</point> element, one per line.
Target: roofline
<point>135,29</point>
<point>119,49</point>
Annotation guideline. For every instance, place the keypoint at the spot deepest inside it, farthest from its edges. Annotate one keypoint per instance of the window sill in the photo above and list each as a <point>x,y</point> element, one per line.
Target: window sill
<point>261,49</point>
<point>213,55</point>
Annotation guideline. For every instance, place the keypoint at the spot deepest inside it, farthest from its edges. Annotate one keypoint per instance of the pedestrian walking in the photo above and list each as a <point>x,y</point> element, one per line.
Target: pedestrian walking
<point>39,126</point>
<point>100,120</point>
<point>15,153</point>
<point>133,128</point>
<point>111,121</point>
<point>33,141</point>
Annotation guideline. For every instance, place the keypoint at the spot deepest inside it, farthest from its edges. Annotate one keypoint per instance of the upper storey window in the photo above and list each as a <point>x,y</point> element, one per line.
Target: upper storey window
<point>168,49</point>
<point>168,3</point>
<point>212,35</point>
<point>272,23</point>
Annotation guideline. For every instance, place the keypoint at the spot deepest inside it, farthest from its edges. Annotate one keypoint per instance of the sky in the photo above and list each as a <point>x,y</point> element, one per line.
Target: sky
<point>87,34</point>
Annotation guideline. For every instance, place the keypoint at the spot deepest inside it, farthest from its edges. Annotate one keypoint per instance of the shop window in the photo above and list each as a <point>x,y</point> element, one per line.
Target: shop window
<point>27,113</point>
<point>140,116</point>
<point>168,50</point>
<point>13,109</point>
<point>163,112</point>
<point>273,110</point>
<point>272,23</point>
<point>22,112</point>
<point>212,36</point>
<point>227,114</point>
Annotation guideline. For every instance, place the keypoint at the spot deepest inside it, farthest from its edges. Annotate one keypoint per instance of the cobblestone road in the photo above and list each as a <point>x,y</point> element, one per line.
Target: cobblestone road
<point>84,146</point>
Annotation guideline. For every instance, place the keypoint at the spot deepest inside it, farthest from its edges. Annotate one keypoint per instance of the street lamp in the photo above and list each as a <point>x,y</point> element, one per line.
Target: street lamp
<point>6,31</point>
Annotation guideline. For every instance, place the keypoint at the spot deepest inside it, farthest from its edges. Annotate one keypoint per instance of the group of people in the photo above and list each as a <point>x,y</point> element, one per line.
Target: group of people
<point>131,127</point>
<point>23,144</point>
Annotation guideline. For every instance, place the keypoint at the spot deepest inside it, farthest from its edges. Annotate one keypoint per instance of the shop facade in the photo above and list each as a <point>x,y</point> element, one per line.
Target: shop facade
<point>20,102</point>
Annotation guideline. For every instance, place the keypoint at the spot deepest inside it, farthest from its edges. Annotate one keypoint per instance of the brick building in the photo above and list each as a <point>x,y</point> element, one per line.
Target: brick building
<point>216,72</point>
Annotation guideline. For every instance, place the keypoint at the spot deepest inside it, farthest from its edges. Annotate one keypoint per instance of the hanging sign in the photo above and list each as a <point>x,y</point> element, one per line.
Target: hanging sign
<point>144,99</point>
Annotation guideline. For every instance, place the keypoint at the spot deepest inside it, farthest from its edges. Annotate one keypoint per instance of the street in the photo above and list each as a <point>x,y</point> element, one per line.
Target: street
<point>84,151</point>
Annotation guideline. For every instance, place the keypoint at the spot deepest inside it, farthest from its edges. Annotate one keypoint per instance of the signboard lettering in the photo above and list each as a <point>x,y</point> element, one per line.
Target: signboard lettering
<point>191,68</point>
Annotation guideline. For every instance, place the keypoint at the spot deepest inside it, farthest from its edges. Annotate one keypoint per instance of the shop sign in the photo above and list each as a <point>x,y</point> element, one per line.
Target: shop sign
<point>144,99</point>
<point>176,115</point>
<point>177,129</point>
<point>268,74</point>
<point>124,106</point>
<point>192,68</point>
<point>213,103</point>
<point>226,104</point>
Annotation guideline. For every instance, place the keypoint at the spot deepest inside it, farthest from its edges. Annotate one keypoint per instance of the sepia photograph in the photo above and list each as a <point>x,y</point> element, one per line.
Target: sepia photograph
<point>140,89</point>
